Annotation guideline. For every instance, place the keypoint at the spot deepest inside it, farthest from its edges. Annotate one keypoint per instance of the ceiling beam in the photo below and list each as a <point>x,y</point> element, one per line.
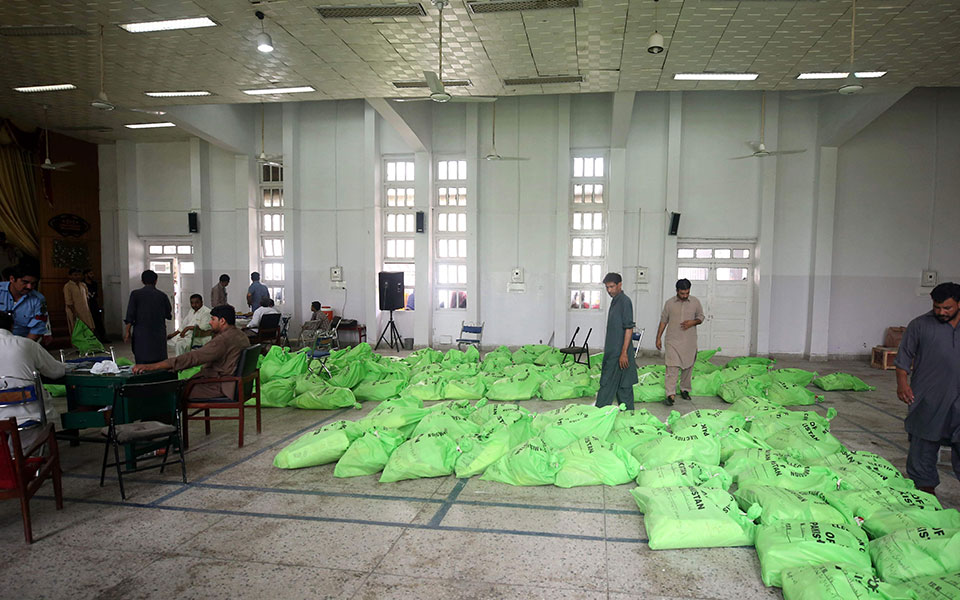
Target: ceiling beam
<point>622,115</point>
<point>842,117</point>
<point>223,125</point>
<point>417,142</point>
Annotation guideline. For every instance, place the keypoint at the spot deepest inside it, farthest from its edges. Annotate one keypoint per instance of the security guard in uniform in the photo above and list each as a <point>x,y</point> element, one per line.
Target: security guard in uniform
<point>19,297</point>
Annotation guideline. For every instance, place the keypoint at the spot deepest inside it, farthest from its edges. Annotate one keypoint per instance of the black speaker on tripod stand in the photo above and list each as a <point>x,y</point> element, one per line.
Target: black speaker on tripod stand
<point>391,298</point>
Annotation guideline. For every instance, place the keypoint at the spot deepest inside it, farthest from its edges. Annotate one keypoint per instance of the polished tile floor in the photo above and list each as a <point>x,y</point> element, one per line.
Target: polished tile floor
<point>244,529</point>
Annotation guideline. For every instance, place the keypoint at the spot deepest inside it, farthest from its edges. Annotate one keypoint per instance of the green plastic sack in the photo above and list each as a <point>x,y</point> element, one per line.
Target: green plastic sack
<point>529,353</point>
<point>595,421</point>
<point>368,454</point>
<point>706,385</point>
<point>842,381</point>
<point>705,355</point>
<point>694,517</point>
<point>685,473</point>
<point>782,504</point>
<point>392,415</point>
<point>834,582</point>
<point>784,545</point>
<point>271,362</point>
<point>456,426</point>
<point>715,420</point>
<point>912,553</point>
<point>791,394</point>
<point>796,376</point>
<point>123,361</point>
<point>742,460</point>
<point>530,463</point>
<point>738,438</point>
<point>783,475</point>
<point>749,360</point>
<point>460,408</point>
<point>542,420</point>
<point>552,390</point>
<point>651,392</point>
<point>885,522</point>
<point>868,503</point>
<point>378,391</point>
<point>468,388</point>
<point>496,438</point>
<point>349,376</point>
<point>658,368</point>
<point>694,445</point>
<point>592,461</point>
<point>432,454</point>
<point>805,441</point>
<point>325,398</point>
<point>83,339</point>
<point>190,372</point>
<point>632,436</point>
<point>319,447</point>
<point>752,407</point>
<point>737,372</point>
<point>296,364</point>
<point>854,457</point>
<point>430,389</point>
<point>522,386</point>
<point>651,378</point>
<point>640,416</point>
<point>870,476</point>
<point>275,394</point>
<point>487,411</point>
<point>550,357</point>
<point>55,390</point>
<point>702,367</point>
<point>769,423</point>
<point>926,588</point>
<point>750,385</point>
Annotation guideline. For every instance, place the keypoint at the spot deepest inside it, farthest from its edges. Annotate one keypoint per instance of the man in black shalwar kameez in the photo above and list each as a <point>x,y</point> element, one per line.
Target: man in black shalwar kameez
<point>147,313</point>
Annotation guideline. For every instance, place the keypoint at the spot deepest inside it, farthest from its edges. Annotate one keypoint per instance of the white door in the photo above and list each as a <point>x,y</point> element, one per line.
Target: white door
<point>721,277</point>
<point>172,261</point>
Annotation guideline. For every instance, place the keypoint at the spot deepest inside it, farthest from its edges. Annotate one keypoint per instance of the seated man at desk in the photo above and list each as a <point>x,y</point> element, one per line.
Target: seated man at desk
<point>266,308</point>
<point>19,297</point>
<point>219,356</point>
<point>196,328</point>
<point>19,359</point>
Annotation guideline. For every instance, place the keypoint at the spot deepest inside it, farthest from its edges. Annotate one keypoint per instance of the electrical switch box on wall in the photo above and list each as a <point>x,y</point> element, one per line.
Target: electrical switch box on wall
<point>516,276</point>
<point>928,279</point>
<point>642,275</point>
<point>336,273</point>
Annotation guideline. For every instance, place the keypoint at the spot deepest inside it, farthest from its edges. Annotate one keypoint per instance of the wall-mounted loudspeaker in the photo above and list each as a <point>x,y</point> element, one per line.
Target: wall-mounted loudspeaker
<point>193,223</point>
<point>674,222</point>
<point>420,221</point>
<point>391,290</point>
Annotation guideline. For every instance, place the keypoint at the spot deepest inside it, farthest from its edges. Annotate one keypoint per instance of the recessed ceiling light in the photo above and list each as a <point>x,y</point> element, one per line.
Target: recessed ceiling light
<point>168,25</point>
<point>149,125</point>
<point>177,94</point>
<point>823,75</point>
<point>869,74</point>
<point>715,76</point>
<point>289,90</point>
<point>57,87</point>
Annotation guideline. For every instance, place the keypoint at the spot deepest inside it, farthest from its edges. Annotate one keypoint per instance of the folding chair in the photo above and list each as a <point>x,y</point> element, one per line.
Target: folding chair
<point>244,377</point>
<point>577,351</point>
<point>145,437</point>
<point>22,473</point>
<point>282,338</point>
<point>19,400</point>
<point>470,334</point>
<point>308,332</point>
<point>323,345</point>
<point>637,338</point>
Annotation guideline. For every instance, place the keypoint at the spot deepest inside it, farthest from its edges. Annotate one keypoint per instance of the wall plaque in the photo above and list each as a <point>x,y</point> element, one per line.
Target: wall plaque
<point>69,225</point>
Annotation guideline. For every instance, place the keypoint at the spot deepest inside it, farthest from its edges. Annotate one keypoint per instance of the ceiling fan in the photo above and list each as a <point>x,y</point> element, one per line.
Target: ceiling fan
<point>47,164</point>
<point>760,150</point>
<point>434,82</point>
<point>272,160</point>
<point>494,155</point>
<point>102,102</point>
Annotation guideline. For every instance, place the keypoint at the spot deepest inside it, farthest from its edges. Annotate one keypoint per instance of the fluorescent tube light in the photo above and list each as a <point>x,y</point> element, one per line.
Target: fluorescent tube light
<point>177,94</point>
<point>715,76</point>
<point>149,125</point>
<point>823,75</point>
<point>168,25</point>
<point>869,74</point>
<point>289,90</point>
<point>57,87</point>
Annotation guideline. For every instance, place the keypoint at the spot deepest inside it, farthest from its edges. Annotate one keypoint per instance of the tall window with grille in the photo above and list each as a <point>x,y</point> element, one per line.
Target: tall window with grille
<point>272,230</point>
<point>450,234</point>
<point>399,221</point>
<point>588,231</point>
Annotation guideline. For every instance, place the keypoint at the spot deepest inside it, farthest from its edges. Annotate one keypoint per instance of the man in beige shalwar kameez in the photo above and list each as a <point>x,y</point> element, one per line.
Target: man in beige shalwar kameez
<point>75,300</point>
<point>680,317</point>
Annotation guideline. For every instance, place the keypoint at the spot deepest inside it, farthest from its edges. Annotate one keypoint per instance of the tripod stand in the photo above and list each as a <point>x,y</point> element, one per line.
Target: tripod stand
<point>394,340</point>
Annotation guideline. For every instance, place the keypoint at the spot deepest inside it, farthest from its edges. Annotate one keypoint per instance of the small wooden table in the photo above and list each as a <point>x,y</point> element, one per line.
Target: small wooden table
<point>359,328</point>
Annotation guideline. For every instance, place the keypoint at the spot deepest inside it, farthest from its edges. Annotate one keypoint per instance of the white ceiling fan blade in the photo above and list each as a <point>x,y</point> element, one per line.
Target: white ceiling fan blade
<point>779,152</point>
<point>433,82</point>
<point>510,158</point>
<point>473,99</point>
<point>148,111</point>
<point>64,164</point>
<point>413,99</point>
<point>742,157</point>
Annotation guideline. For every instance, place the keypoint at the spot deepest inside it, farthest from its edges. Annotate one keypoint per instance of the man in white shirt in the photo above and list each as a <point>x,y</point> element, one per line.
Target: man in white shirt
<point>20,357</point>
<point>266,308</point>
<point>196,328</point>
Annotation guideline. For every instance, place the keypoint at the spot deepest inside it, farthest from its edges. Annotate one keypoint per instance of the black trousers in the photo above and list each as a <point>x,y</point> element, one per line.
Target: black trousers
<point>922,461</point>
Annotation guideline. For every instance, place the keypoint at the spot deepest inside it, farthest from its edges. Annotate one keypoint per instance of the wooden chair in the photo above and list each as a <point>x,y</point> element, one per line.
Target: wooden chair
<point>577,351</point>
<point>22,473</point>
<point>144,401</point>
<point>247,385</point>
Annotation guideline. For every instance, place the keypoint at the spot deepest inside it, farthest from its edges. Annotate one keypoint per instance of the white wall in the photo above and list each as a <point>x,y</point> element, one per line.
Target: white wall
<point>896,208</point>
